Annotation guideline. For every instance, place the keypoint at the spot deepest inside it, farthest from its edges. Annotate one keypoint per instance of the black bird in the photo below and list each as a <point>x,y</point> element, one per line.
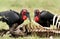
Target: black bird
<point>44,18</point>
<point>13,18</point>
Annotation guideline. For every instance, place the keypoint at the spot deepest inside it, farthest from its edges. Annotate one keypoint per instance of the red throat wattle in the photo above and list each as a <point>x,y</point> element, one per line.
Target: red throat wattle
<point>24,11</point>
<point>24,17</point>
<point>36,19</point>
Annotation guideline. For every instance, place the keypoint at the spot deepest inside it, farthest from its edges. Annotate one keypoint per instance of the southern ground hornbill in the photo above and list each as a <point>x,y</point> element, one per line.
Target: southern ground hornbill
<point>13,18</point>
<point>45,18</point>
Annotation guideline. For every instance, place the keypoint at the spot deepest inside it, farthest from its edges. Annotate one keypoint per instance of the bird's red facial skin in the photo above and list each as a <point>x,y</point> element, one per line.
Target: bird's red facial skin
<point>36,19</point>
<point>24,11</point>
<point>24,17</point>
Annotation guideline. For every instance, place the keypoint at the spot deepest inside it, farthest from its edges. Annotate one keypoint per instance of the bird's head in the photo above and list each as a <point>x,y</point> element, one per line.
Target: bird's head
<point>25,14</point>
<point>36,15</point>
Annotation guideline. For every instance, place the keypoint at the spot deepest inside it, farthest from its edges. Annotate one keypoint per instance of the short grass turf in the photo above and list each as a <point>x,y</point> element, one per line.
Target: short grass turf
<point>51,5</point>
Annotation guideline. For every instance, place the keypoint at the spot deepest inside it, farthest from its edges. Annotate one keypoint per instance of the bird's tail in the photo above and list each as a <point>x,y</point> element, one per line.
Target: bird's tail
<point>1,16</point>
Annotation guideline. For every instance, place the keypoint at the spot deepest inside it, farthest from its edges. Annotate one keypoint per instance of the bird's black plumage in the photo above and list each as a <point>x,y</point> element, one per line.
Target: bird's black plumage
<point>45,18</point>
<point>14,19</point>
<point>11,17</point>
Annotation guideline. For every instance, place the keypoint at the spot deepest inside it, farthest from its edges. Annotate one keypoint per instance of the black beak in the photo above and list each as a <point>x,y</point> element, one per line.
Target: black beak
<point>28,15</point>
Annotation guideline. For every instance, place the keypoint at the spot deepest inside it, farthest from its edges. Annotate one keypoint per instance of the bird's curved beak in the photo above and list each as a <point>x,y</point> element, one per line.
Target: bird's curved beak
<point>28,15</point>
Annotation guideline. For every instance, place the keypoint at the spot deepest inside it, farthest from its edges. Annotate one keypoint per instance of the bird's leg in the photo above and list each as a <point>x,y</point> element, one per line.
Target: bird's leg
<point>13,28</point>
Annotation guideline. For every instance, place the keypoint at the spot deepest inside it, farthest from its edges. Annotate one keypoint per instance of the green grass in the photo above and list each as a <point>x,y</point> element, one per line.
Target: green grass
<point>50,5</point>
